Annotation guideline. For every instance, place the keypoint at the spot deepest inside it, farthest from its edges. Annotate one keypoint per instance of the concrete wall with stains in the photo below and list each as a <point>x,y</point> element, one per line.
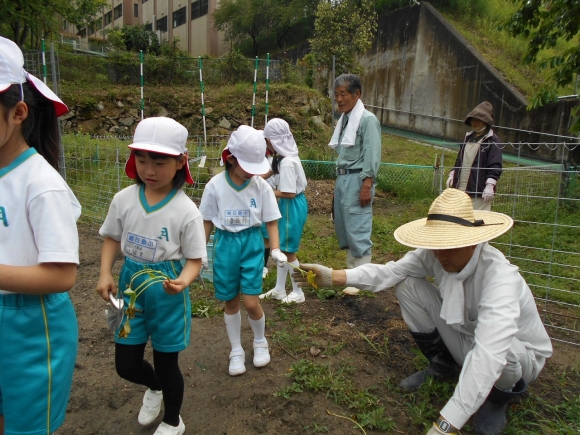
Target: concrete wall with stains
<point>422,75</point>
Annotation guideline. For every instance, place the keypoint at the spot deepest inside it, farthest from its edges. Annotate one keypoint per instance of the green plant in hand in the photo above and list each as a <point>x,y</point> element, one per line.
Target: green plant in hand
<point>155,277</point>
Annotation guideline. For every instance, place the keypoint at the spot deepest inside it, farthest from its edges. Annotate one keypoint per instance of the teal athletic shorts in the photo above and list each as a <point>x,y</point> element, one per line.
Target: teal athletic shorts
<point>163,317</point>
<point>238,261</point>
<point>294,212</point>
<point>38,349</point>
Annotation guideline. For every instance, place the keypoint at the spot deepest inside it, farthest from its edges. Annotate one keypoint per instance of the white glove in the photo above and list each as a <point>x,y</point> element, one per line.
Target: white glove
<point>279,257</point>
<point>436,431</point>
<point>449,182</point>
<point>204,263</point>
<point>323,276</point>
<point>489,191</point>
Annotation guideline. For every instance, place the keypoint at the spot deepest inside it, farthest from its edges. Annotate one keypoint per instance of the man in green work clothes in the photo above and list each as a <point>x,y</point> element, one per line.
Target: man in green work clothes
<point>357,139</point>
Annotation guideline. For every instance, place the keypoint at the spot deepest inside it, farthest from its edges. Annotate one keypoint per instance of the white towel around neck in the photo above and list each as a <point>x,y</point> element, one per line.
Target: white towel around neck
<point>452,291</point>
<point>349,137</point>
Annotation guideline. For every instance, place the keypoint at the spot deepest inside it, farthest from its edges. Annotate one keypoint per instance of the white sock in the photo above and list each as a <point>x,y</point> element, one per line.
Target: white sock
<point>295,288</point>
<point>281,274</point>
<point>259,329</point>
<point>234,328</point>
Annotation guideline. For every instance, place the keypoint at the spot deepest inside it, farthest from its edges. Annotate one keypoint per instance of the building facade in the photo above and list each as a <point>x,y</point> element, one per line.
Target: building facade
<point>188,22</point>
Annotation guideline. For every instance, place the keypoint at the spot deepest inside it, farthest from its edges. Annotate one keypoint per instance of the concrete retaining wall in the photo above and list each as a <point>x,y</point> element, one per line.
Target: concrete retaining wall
<point>427,77</point>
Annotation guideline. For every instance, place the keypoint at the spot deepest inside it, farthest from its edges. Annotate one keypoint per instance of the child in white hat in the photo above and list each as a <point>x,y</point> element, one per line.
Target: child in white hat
<point>291,202</point>
<point>159,230</point>
<point>236,202</point>
<point>38,255</point>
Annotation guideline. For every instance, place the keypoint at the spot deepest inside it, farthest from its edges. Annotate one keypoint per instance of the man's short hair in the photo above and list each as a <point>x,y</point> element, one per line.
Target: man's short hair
<point>351,81</point>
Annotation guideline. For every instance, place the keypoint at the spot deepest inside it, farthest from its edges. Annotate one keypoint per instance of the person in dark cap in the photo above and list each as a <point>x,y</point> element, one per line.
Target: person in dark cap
<point>478,165</point>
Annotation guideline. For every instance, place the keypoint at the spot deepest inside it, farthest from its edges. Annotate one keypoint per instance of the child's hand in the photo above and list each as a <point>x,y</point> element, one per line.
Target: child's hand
<point>174,286</point>
<point>105,285</point>
<point>279,257</point>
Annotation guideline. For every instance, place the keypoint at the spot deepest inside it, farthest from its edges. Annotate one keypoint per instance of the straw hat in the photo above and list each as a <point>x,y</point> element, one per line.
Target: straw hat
<point>452,223</point>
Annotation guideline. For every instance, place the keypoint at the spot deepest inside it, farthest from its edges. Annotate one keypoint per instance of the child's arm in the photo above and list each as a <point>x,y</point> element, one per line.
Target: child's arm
<point>186,277</point>
<point>274,237</point>
<point>288,195</point>
<point>208,227</point>
<point>109,254</point>
<point>43,278</point>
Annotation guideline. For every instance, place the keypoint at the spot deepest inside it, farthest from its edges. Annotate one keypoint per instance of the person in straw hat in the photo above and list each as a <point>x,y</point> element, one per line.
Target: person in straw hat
<point>480,321</point>
<point>479,162</point>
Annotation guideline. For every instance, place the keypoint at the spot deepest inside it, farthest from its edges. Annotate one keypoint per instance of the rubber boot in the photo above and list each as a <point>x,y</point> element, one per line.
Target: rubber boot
<point>490,418</point>
<point>441,366</point>
<point>349,260</point>
<point>365,259</point>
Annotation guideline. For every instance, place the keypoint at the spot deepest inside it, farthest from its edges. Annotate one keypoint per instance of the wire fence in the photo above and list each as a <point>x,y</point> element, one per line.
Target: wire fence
<point>543,200</point>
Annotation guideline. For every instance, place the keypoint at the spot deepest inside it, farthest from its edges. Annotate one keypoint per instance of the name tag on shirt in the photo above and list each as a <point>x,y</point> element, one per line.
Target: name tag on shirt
<point>237,217</point>
<point>141,247</point>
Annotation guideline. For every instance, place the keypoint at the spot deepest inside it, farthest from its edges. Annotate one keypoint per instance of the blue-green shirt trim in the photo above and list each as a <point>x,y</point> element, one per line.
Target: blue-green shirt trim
<point>150,209</point>
<point>18,161</point>
<point>234,185</point>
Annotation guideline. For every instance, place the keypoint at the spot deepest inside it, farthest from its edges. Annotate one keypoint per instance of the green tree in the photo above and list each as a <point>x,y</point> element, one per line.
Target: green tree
<point>343,28</point>
<point>258,19</point>
<point>544,23</point>
<point>240,19</point>
<point>39,18</point>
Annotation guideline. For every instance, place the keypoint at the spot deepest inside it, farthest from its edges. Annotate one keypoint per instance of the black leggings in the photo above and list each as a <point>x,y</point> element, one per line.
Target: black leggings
<point>131,365</point>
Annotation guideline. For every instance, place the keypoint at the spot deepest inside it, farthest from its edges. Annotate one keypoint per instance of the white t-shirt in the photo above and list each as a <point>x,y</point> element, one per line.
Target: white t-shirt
<point>169,230</point>
<point>498,300</point>
<point>236,208</point>
<point>292,177</point>
<point>38,214</point>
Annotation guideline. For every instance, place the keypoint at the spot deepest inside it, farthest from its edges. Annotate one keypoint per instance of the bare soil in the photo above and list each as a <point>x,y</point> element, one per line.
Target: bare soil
<point>341,328</point>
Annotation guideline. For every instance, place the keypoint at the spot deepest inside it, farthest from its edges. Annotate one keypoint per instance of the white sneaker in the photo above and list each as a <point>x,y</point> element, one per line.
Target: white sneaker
<point>274,294</point>
<point>261,354</point>
<point>167,429</point>
<point>264,272</point>
<point>294,298</point>
<point>237,362</point>
<point>151,407</point>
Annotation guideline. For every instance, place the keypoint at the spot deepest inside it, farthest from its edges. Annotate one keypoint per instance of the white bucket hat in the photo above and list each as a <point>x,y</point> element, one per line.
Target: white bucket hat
<point>452,223</point>
<point>248,146</point>
<point>158,135</point>
<point>12,73</point>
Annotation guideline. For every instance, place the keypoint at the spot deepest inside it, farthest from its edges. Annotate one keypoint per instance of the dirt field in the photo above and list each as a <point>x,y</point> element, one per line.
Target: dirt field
<point>340,330</point>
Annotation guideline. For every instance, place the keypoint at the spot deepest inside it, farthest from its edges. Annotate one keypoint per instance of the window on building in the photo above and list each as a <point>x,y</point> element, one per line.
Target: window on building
<point>135,10</point>
<point>108,18</point>
<point>118,11</point>
<point>91,29</point>
<point>162,24</point>
<point>199,8</point>
<point>64,24</point>
<point>98,24</point>
<point>179,17</point>
<point>149,26</point>
<point>143,1</point>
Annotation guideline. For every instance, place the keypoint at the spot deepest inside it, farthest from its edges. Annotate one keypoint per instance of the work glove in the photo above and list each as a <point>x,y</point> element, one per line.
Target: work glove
<point>489,191</point>
<point>449,182</point>
<point>204,263</point>
<point>323,276</point>
<point>435,430</point>
<point>279,257</point>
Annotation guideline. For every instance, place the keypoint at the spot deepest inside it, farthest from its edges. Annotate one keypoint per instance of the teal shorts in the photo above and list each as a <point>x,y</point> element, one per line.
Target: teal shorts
<point>238,262</point>
<point>164,318</point>
<point>38,349</point>
<point>294,212</point>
